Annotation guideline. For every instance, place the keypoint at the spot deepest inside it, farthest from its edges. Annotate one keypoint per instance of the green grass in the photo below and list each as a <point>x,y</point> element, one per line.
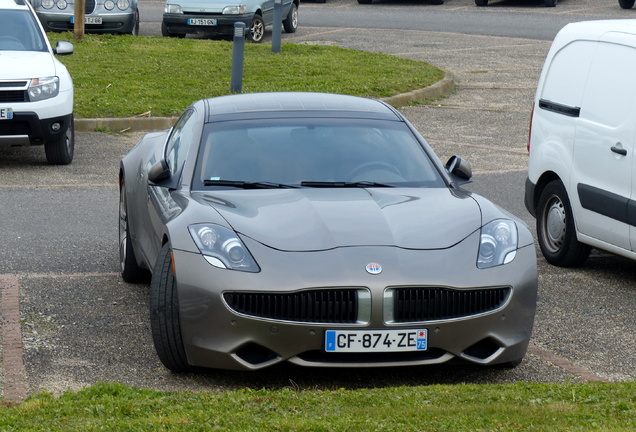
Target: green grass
<point>465,407</point>
<point>121,76</point>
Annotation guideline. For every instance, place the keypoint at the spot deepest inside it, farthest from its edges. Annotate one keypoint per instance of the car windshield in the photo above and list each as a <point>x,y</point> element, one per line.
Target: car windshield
<point>326,153</point>
<point>19,31</point>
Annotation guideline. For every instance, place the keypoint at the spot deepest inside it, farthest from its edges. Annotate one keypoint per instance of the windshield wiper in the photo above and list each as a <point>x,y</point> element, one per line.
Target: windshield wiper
<point>359,184</point>
<point>248,184</point>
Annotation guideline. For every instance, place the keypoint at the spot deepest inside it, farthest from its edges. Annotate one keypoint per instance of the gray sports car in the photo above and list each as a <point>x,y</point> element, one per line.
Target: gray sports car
<point>320,230</point>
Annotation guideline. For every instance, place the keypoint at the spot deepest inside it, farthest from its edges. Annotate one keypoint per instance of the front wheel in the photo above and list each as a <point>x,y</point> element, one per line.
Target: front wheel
<point>481,2</point>
<point>290,24</point>
<point>256,30</point>
<point>60,151</point>
<point>555,228</point>
<point>164,314</point>
<point>626,4</point>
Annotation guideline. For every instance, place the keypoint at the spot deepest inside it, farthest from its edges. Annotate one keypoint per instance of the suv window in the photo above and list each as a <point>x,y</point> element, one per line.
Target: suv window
<point>19,31</point>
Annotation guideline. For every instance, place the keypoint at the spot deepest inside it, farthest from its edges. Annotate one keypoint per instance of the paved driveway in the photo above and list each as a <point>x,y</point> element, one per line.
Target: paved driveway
<point>80,324</point>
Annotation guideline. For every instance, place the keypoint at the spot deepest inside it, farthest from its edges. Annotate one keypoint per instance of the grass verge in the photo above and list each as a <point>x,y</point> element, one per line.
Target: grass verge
<point>122,76</point>
<point>465,407</point>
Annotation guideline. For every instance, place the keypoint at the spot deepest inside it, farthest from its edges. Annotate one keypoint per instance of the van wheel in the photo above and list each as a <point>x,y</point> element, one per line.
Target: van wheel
<point>555,228</point>
<point>626,4</point>
<point>60,151</point>
<point>481,2</point>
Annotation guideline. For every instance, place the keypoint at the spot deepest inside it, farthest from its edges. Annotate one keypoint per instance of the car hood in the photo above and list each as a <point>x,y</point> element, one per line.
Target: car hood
<point>26,64</point>
<point>321,219</point>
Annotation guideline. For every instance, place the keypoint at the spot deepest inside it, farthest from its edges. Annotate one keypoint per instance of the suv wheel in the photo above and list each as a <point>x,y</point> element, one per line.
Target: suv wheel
<point>555,228</point>
<point>60,151</point>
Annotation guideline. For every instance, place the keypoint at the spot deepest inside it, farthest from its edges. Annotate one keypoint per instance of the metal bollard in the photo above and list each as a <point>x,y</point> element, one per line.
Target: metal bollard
<point>277,27</point>
<point>238,51</point>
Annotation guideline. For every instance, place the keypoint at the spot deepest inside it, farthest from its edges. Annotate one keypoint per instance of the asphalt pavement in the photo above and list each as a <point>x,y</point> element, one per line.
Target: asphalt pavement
<point>80,324</point>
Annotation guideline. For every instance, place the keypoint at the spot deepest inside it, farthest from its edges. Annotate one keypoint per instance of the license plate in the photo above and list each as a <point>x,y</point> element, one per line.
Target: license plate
<point>89,20</point>
<point>6,113</point>
<point>376,340</point>
<point>201,21</point>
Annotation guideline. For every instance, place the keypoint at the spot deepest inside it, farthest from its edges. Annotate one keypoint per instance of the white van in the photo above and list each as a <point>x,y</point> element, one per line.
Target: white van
<point>581,185</point>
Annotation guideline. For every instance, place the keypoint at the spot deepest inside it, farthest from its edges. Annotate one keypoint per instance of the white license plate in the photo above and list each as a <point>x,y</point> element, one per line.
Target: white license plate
<point>89,20</point>
<point>201,21</point>
<point>376,340</point>
<point>6,113</point>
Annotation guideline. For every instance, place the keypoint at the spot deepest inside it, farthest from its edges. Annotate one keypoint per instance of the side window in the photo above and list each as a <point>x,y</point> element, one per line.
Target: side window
<point>180,141</point>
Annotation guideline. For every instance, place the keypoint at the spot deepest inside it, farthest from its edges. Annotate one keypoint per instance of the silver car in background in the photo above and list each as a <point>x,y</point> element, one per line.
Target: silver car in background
<point>319,230</point>
<point>101,16</point>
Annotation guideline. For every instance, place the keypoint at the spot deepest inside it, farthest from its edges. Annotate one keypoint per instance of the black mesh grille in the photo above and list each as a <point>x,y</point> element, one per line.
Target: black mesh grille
<point>14,128</point>
<point>13,96</point>
<point>324,306</point>
<point>428,304</point>
<point>90,6</point>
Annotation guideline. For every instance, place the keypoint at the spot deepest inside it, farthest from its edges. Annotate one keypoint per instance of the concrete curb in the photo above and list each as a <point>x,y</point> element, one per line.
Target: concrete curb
<point>141,124</point>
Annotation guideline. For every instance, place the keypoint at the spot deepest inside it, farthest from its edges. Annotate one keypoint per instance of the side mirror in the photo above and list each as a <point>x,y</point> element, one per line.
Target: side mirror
<point>459,168</point>
<point>159,171</point>
<point>63,48</point>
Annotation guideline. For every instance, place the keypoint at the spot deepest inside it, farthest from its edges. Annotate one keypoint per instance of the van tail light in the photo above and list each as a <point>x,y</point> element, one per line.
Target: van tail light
<point>530,127</point>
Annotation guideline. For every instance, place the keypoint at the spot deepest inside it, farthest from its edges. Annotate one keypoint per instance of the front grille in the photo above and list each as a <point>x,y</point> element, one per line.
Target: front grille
<point>316,306</point>
<point>13,91</point>
<point>429,304</point>
<point>90,6</point>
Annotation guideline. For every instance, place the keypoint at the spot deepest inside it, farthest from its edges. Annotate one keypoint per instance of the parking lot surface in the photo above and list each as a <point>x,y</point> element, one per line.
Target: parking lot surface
<point>80,324</point>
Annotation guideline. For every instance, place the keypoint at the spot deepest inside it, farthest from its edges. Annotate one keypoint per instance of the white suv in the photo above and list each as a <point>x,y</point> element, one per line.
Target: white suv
<point>36,90</point>
<point>581,183</point>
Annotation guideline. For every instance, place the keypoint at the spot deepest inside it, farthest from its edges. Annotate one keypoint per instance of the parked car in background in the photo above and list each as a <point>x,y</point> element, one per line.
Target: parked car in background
<point>320,230</point>
<point>36,90</point>
<point>217,17</point>
<point>101,16</point>
<point>581,173</point>
<point>548,3</point>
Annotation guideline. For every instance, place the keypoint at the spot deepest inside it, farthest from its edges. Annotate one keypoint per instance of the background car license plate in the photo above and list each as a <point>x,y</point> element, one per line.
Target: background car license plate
<point>6,113</point>
<point>89,20</point>
<point>201,21</point>
<point>376,340</point>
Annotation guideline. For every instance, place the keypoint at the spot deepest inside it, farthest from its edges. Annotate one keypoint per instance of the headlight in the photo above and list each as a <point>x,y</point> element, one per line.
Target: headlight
<point>109,5</point>
<point>498,243</point>
<point>233,10</point>
<point>43,88</point>
<point>61,4</point>
<point>48,4</point>
<point>173,8</point>
<point>123,4</point>
<point>222,248</point>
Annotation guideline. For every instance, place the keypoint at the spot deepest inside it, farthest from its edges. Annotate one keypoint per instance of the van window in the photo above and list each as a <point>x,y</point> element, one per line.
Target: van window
<point>609,96</point>
<point>567,74</point>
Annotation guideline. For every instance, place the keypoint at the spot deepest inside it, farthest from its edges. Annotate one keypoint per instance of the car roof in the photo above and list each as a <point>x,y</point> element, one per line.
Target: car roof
<point>595,29</point>
<point>14,4</point>
<point>296,104</point>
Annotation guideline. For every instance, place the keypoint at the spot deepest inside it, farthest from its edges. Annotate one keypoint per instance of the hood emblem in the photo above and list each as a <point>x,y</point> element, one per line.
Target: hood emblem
<point>374,268</point>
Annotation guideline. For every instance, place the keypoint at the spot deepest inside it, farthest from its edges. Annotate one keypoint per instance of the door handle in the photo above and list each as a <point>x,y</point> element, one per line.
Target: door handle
<point>619,151</point>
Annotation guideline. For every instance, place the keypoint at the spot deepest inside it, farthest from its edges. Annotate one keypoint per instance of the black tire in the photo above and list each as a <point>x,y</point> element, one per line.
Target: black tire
<point>60,151</point>
<point>256,29</point>
<point>165,32</point>
<point>481,2</point>
<point>365,1</point>
<point>164,315</point>
<point>130,270</point>
<point>135,30</point>
<point>550,3</point>
<point>290,24</point>
<point>555,228</point>
<point>436,2</point>
<point>324,1</point>
<point>626,4</point>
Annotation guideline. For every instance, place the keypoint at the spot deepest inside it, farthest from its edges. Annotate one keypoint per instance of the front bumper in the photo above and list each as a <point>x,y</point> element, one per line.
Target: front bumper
<point>217,337</point>
<point>26,128</point>
<point>111,22</point>
<point>178,23</point>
